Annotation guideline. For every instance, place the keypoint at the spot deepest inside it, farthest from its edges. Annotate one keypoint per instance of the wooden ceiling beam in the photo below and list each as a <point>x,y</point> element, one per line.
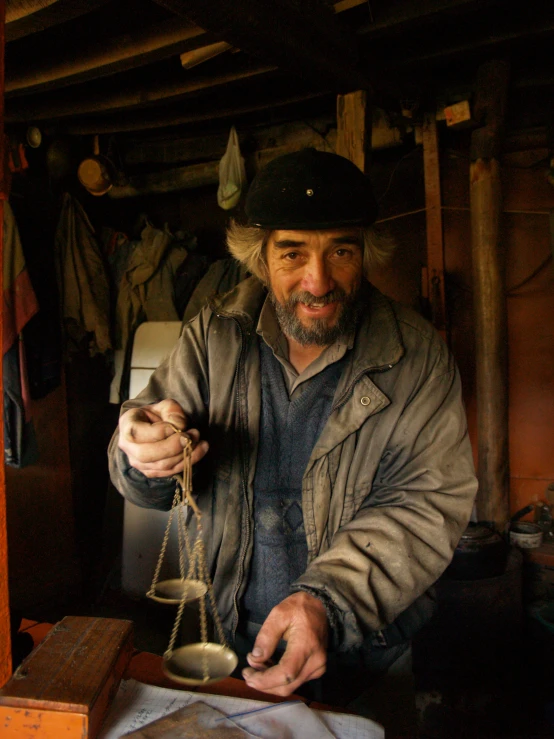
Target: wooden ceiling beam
<point>302,38</point>
<point>99,102</point>
<point>39,17</point>
<point>447,51</point>
<point>177,149</point>
<point>16,9</point>
<point>149,121</point>
<point>114,55</point>
<point>108,56</point>
<point>395,14</point>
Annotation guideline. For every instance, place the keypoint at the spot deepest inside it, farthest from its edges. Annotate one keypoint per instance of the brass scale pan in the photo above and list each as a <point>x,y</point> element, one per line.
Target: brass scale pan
<point>186,664</point>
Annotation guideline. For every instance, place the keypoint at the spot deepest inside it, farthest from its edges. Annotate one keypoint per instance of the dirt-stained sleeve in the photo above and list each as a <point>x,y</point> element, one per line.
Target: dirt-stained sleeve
<point>182,377</point>
<point>404,534</point>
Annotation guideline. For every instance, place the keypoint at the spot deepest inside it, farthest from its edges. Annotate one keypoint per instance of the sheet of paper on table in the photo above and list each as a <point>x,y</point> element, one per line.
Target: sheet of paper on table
<point>136,705</point>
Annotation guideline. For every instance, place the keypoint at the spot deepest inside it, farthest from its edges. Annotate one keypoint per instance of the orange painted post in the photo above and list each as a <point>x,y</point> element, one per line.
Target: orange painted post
<point>5,639</point>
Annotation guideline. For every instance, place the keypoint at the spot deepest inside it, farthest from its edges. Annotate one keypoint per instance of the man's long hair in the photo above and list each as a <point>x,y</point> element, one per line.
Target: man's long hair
<point>247,244</point>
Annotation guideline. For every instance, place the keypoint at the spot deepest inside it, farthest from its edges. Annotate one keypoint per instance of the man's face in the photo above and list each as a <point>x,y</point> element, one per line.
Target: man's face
<point>314,281</point>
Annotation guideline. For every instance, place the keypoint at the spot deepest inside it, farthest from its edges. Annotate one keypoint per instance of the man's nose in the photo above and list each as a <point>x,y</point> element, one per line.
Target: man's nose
<point>317,277</point>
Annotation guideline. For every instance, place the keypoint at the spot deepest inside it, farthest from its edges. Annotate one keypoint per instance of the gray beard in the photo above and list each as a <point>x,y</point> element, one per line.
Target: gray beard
<point>318,333</point>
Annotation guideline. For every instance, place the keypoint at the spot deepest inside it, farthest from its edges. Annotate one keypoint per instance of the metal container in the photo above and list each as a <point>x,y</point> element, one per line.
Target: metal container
<point>525,534</point>
<point>481,553</point>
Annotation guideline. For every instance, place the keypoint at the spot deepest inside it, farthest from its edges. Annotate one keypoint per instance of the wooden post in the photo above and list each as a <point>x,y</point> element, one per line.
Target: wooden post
<point>5,637</point>
<point>489,298</point>
<point>434,274</point>
<point>354,128</point>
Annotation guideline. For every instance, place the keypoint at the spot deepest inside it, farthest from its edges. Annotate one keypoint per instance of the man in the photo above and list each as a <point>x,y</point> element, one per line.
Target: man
<point>339,475</point>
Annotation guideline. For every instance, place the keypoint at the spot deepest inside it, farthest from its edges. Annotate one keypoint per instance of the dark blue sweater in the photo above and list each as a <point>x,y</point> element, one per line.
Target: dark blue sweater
<point>289,429</point>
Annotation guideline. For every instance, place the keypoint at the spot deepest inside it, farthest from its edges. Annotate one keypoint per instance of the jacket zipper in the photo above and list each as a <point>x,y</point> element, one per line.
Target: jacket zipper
<point>246,540</point>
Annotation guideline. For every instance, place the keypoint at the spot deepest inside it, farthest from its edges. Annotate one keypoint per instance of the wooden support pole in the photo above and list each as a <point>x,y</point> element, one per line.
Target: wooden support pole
<point>434,274</point>
<point>354,128</point>
<point>489,297</point>
<point>5,636</point>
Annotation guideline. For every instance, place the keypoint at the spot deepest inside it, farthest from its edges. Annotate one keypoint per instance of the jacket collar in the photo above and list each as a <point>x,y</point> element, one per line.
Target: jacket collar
<point>378,343</point>
<point>243,303</point>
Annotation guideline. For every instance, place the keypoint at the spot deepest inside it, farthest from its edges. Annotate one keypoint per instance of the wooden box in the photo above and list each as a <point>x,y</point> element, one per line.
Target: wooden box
<point>65,686</point>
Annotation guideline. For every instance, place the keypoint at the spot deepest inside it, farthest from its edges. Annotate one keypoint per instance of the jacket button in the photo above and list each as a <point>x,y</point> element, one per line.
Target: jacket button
<point>365,400</point>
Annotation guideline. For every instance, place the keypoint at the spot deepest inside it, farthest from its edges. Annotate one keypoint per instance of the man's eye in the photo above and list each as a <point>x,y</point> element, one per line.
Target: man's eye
<point>343,253</point>
<point>291,255</point>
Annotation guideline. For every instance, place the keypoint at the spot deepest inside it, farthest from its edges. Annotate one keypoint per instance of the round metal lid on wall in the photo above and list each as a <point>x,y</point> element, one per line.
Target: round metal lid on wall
<point>34,137</point>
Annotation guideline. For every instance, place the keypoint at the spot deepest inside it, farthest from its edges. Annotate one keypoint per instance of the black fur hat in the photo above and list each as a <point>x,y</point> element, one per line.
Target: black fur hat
<point>310,189</point>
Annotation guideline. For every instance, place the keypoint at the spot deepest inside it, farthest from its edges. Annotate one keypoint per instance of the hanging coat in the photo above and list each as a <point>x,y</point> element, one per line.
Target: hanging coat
<point>82,279</point>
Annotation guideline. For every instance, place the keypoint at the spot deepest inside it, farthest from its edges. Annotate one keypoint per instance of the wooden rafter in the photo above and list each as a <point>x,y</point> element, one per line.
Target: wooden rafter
<point>40,16</point>
<point>301,38</point>
<point>399,13</point>
<point>109,55</point>
<point>156,120</point>
<point>506,31</point>
<point>138,97</point>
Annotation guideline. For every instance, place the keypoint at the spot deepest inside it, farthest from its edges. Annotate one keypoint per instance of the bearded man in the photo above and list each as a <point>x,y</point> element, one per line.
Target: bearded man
<point>338,474</point>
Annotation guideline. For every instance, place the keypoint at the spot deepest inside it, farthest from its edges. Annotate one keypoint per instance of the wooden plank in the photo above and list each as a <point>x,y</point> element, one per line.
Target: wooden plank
<point>396,14</point>
<point>173,149</point>
<point>39,19</point>
<point>354,128</point>
<point>446,47</point>
<point>190,59</point>
<point>137,97</point>
<point>342,5</point>
<point>17,10</point>
<point>179,178</point>
<point>69,680</point>
<point>38,723</point>
<point>70,667</point>
<point>433,214</point>
<point>5,638</point>
<point>207,173</point>
<point>106,56</point>
<point>149,121</point>
<point>277,32</point>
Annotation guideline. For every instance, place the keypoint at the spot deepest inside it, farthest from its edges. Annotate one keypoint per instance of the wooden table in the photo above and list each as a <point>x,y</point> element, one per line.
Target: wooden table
<point>147,668</point>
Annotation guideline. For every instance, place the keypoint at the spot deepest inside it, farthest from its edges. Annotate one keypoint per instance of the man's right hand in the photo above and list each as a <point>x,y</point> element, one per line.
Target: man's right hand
<point>148,438</point>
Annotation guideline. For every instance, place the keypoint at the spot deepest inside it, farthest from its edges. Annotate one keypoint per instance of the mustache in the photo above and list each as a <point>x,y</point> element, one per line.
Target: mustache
<point>338,295</point>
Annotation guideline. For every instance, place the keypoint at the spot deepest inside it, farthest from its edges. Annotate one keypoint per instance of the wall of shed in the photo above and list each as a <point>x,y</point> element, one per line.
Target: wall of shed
<point>528,199</point>
<point>41,507</point>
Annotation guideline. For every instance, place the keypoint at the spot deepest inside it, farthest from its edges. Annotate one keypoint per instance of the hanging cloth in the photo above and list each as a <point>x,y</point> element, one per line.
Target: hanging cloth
<point>146,293</point>
<point>82,280</point>
<point>20,305</point>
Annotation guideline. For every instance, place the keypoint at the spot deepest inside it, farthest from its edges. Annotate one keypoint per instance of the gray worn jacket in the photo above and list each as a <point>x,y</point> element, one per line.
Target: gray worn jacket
<point>389,485</point>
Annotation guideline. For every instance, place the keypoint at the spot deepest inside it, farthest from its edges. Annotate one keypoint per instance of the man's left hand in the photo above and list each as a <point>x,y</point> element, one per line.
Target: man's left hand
<point>301,620</point>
